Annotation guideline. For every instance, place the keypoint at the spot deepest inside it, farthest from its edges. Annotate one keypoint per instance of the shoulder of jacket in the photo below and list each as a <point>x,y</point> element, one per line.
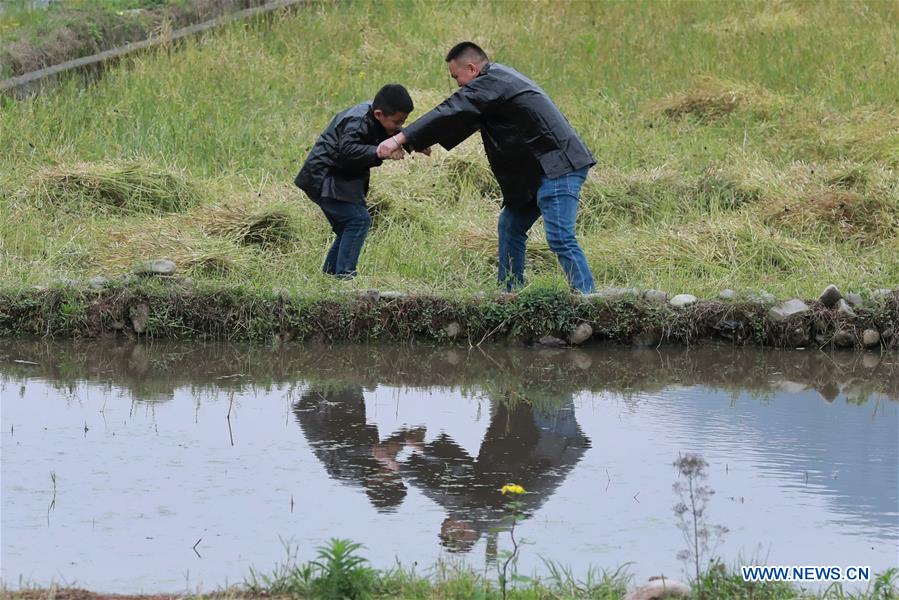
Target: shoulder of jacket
<point>358,114</point>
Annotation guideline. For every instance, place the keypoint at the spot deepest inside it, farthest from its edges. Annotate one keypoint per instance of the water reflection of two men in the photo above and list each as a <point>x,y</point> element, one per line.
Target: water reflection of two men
<point>523,444</point>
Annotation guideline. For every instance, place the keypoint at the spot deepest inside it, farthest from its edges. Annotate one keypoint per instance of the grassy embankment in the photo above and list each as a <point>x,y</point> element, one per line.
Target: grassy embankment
<point>33,38</point>
<point>740,145</point>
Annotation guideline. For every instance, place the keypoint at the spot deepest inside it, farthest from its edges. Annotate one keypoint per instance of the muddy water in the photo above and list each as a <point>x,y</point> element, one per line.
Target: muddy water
<point>179,467</point>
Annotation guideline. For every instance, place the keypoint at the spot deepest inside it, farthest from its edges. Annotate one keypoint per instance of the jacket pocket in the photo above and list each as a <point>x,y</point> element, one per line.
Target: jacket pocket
<point>554,163</point>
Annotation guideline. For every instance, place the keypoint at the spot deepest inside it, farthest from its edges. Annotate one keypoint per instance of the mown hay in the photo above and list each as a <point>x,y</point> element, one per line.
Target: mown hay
<point>723,251</point>
<point>129,186</point>
<point>709,99</point>
<point>416,190</point>
<point>864,219</point>
<point>123,248</point>
<point>483,242</point>
<point>266,227</point>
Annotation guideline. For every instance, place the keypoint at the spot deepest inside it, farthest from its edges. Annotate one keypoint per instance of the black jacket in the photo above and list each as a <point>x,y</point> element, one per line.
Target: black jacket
<point>524,133</point>
<point>337,167</point>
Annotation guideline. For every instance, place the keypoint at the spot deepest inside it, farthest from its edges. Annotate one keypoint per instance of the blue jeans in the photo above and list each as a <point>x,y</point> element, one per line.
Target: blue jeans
<point>557,201</point>
<point>350,223</point>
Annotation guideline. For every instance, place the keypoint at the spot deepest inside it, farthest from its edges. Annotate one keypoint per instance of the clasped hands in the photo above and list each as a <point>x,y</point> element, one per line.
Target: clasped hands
<point>392,148</point>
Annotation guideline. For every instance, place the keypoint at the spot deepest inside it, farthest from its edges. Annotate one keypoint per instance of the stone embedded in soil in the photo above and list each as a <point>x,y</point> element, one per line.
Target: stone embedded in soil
<point>762,297</point>
<point>139,314</point>
<point>550,341</point>
<point>659,588</point>
<point>369,295</point>
<point>830,296</point>
<point>392,295</point>
<point>727,294</point>
<point>854,300</point>
<point>785,310</point>
<point>162,266</point>
<point>881,294</point>
<point>843,339</point>
<point>612,294</point>
<point>682,300</point>
<point>98,283</point>
<point>870,338</point>
<point>844,309</point>
<point>581,334</point>
<point>453,330</point>
<point>655,296</point>
<point>729,328</point>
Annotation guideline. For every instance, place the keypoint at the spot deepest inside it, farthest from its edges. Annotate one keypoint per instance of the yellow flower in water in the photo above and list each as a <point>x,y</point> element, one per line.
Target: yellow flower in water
<point>512,488</point>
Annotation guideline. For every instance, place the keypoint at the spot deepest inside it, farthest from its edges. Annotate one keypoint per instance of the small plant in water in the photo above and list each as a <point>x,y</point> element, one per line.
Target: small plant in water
<point>516,514</point>
<point>691,512</point>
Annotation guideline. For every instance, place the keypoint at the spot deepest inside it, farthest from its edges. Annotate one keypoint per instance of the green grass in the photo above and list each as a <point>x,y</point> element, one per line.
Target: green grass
<point>20,19</point>
<point>743,145</point>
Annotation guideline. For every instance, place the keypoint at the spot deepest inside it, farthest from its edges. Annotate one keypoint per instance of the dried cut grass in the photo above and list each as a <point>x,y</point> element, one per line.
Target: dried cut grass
<point>854,201</point>
<point>191,251</point>
<point>717,253</point>
<point>611,197</point>
<point>419,189</point>
<point>709,99</point>
<point>482,242</point>
<point>866,220</point>
<point>266,227</point>
<point>134,186</point>
<point>866,134</point>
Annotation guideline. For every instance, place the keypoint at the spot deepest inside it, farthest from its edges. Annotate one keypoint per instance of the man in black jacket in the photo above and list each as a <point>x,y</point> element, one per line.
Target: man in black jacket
<point>536,156</point>
<point>336,172</point>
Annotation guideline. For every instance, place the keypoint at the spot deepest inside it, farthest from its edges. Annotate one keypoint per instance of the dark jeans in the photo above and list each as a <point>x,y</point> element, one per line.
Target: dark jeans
<point>350,223</point>
<point>557,201</point>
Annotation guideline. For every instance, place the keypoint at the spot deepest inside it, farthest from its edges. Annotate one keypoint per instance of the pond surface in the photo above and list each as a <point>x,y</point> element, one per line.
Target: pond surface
<point>172,467</point>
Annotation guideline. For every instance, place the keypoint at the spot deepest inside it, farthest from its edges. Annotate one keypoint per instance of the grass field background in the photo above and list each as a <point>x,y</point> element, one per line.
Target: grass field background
<point>740,144</point>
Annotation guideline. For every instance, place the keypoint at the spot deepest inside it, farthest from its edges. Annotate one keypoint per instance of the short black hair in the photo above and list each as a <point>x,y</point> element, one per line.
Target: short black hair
<point>393,98</point>
<point>469,50</point>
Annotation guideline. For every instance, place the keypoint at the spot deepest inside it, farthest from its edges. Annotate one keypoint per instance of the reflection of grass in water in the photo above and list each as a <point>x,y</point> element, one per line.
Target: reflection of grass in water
<point>542,378</point>
<point>53,500</point>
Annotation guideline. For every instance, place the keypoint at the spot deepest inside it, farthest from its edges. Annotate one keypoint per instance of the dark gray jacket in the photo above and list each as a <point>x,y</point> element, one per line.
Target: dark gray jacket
<point>337,167</point>
<point>524,133</point>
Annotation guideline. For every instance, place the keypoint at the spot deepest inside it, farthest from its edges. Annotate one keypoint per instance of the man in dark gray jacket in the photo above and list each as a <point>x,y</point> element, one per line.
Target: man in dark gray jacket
<point>336,173</point>
<point>535,154</point>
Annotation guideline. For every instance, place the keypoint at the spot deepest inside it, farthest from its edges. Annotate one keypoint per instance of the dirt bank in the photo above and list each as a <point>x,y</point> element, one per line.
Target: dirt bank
<point>177,309</point>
